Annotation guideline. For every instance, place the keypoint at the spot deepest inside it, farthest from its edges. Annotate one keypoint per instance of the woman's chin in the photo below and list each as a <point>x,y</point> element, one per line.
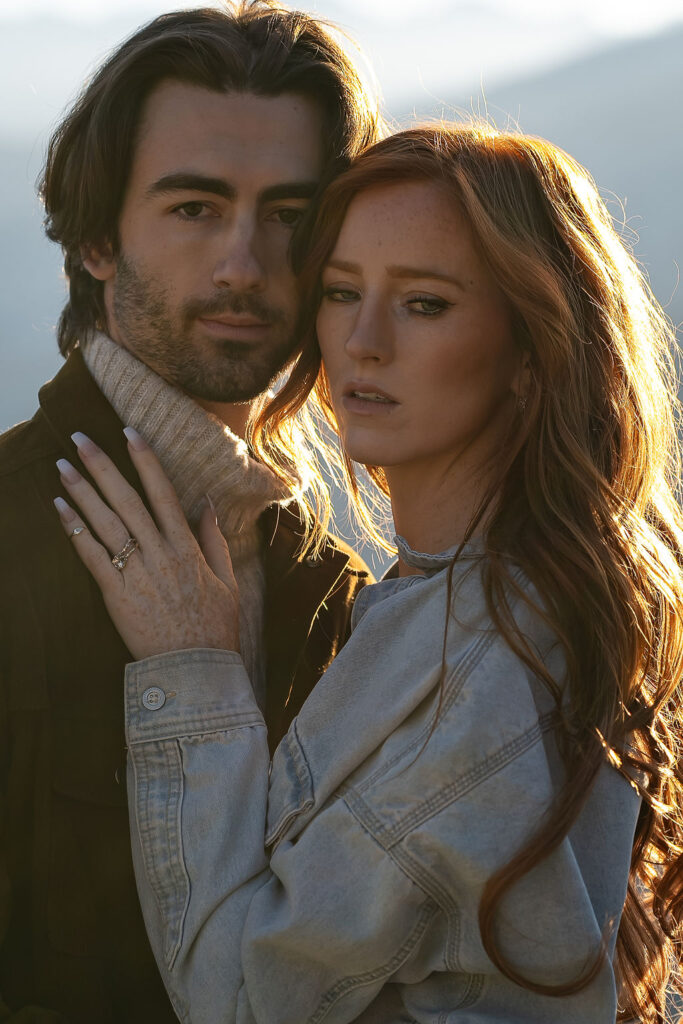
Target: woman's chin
<point>368,455</point>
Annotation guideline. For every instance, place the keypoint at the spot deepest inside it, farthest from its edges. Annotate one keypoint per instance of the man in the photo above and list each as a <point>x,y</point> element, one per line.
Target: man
<point>174,186</point>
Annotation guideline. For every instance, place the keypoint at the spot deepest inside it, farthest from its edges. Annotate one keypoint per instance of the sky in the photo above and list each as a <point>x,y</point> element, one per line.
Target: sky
<point>619,16</point>
<point>426,55</point>
<point>421,50</point>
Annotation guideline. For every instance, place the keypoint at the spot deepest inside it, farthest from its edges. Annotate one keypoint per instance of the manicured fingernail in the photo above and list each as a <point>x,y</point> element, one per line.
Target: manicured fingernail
<point>84,444</point>
<point>212,507</point>
<point>136,442</point>
<point>65,511</point>
<point>70,474</point>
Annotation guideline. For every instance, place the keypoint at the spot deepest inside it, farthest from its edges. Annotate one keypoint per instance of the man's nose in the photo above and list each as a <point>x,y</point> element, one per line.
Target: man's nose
<point>239,265</point>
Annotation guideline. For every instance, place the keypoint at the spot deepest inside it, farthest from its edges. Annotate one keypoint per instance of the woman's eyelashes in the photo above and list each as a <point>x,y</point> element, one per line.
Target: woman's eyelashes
<point>338,294</point>
<point>428,305</point>
<point>420,305</point>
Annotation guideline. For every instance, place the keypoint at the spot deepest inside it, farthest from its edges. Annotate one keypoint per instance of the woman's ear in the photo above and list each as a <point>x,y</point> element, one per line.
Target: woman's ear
<point>99,262</point>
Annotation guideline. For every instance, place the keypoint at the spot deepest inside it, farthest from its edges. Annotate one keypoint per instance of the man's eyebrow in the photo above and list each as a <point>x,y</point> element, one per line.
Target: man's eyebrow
<point>181,181</point>
<point>424,273</point>
<point>289,190</point>
<point>184,181</point>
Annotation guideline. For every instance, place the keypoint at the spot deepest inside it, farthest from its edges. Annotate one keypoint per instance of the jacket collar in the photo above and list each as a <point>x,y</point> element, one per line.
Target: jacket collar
<point>72,401</point>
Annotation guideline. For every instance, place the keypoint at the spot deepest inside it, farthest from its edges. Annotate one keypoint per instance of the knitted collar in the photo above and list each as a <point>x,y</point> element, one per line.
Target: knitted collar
<point>199,453</point>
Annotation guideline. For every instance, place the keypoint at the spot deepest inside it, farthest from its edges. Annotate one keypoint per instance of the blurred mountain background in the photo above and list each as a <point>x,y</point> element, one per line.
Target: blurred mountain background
<point>614,104</point>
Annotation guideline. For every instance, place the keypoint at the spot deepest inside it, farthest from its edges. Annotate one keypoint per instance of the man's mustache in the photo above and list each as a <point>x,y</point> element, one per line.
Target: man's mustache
<point>237,303</point>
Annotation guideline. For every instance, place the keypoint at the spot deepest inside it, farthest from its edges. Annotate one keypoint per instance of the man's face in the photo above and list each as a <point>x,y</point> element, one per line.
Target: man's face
<point>201,289</point>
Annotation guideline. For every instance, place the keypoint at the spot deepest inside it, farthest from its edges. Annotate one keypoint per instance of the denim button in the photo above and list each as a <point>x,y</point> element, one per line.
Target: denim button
<point>153,698</point>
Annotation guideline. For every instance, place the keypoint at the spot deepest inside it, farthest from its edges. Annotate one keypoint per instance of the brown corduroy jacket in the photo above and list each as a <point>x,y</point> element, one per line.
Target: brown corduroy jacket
<point>72,943</point>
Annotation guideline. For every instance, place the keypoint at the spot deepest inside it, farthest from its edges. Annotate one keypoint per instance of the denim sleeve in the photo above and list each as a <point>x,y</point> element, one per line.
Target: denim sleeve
<point>198,785</point>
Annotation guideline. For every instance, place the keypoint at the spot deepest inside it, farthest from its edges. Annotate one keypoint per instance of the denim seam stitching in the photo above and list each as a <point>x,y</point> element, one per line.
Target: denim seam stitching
<point>426,883</point>
<point>345,985</point>
<point>430,806</point>
<point>150,835</point>
<point>180,1007</point>
<point>443,899</point>
<point>140,733</point>
<point>305,779</point>
<point>453,687</point>
<point>470,780</point>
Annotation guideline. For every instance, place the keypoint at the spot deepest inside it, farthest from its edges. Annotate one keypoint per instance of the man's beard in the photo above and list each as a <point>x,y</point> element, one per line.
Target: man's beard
<point>161,337</point>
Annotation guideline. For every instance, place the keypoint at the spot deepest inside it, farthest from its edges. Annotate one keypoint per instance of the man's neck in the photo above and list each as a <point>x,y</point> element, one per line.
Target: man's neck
<point>234,416</point>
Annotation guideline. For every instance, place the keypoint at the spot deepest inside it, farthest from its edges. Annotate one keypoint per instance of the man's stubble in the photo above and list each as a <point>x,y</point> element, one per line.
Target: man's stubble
<point>159,335</point>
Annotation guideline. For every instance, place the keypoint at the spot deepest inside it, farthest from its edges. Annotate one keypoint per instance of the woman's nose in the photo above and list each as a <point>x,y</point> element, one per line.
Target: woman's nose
<point>370,337</point>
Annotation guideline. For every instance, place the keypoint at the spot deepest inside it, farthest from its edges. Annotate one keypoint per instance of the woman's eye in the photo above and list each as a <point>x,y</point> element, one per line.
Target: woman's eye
<point>340,294</point>
<point>426,305</point>
<point>190,211</point>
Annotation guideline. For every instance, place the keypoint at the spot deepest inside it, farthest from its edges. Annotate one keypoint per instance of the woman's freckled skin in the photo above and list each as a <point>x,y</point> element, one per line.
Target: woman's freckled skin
<point>450,361</point>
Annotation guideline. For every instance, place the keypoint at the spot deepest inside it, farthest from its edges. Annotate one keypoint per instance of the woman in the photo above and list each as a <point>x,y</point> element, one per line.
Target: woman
<point>487,774</point>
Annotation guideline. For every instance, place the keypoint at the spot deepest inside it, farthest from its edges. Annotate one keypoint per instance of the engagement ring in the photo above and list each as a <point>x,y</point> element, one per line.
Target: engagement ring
<point>119,561</point>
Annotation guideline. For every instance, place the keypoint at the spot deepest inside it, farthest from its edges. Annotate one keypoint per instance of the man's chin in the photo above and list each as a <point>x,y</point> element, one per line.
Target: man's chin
<point>237,388</point>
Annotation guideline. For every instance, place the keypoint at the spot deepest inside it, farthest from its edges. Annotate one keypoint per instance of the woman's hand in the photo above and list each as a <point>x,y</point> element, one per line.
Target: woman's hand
<point>171,594</point>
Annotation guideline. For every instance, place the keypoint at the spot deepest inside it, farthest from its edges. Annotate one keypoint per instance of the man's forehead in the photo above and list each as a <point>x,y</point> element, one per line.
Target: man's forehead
<point>233,134</point>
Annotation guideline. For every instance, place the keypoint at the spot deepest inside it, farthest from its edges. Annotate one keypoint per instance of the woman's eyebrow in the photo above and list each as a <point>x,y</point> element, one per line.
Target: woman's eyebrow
<point>424,272</point>
<point>350,268</point>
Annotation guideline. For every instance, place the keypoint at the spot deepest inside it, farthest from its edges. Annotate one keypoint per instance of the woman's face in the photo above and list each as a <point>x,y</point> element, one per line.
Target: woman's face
<point>415,334</point>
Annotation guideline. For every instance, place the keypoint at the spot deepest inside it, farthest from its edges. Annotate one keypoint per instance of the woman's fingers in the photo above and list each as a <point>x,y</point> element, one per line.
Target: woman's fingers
<point>122,500</point>
<point>94,556</point>
<point>172,600</point>
<point>214,547</point>
<point>160,491</point>
<point>102,520</point>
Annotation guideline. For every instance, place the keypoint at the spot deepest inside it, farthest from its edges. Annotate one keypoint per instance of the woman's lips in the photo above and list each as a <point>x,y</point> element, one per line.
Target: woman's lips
<point>366,400</point>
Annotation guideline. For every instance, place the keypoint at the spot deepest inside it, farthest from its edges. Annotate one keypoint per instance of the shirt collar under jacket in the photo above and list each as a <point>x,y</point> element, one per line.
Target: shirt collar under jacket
<point>429,564</point>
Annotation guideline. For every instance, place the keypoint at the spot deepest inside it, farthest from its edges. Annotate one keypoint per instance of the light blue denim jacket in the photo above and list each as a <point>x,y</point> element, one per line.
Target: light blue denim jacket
<point>343,882</point>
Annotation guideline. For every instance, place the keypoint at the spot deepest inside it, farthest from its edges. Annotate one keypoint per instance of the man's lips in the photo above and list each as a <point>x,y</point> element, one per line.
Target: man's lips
<point>235,328</point>
<point>234,321</point>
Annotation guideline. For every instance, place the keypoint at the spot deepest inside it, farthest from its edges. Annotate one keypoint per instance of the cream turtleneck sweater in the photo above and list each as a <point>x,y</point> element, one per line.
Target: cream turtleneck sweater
<point>201,456</point>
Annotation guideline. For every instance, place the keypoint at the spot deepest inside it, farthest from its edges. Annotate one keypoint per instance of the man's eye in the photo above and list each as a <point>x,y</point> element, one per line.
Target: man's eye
<point>340,294</point>
<point>428,305</point>
<point>190,211</point>
<point>289,215</point>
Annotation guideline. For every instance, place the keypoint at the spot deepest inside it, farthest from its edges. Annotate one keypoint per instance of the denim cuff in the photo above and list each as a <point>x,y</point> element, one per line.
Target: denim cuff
<point>186,693</point>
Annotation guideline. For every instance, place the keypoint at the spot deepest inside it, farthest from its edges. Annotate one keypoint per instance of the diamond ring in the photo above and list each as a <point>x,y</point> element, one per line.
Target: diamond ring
<point>119,560</point>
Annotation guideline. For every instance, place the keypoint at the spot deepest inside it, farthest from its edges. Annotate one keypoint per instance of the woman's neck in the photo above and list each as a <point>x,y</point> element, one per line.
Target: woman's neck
<point>433,505</point>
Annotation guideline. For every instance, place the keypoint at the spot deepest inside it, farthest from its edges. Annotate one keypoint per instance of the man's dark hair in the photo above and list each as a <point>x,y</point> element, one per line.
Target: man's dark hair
<point>255,46</point>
